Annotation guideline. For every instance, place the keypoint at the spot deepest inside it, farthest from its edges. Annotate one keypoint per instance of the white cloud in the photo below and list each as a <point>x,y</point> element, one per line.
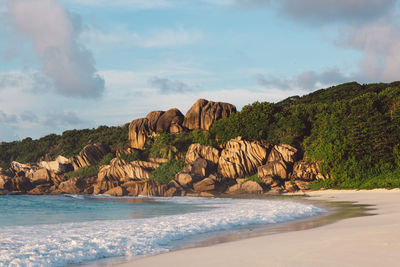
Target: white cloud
<point>160,38</point>
<point>54,32</point>
<point>133,4</point>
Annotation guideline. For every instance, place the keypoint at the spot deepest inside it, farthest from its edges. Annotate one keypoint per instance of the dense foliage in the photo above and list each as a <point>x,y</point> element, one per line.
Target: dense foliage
<point>175,146</point>
<point>352,129</point>
<point>90,171</point>
<point>166,172</point>
<point>68,144</point>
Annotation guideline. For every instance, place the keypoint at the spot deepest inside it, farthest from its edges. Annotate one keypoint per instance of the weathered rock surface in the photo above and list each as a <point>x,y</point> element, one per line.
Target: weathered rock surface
<point>185,179</point>
<point>203,114</point>
<point>90,155</point>
<point>275,169</point>
<point>116,191</point>
<point>206,184</point>
<point>170,122</point>
<point>306,171</point>
<point>241,158</point>
<point>76,185</point>
<point>58,166</point>
<point>155,122</point>
<point>18,184</point>
<point>20,169</point>
<point>39,176</point>
<point>121,170</point>
<point>139,131</point>
<point>248,187</point>
<point>197,151</point>
<point>283,151</point>
<point>145,188</point>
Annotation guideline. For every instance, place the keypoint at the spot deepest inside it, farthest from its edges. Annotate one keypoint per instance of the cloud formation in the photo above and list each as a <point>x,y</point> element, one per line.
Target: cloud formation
<point>309,80</point>
<point>167,86</point>
<point>134,4</point>
<point>54,34</point>
<point>327,11</point>
<point>64,118</point>
<point>161,38</point>
<point>368,26</point>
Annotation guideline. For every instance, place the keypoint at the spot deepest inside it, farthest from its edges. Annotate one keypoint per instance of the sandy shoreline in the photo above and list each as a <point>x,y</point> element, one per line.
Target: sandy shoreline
<point>361,241</point>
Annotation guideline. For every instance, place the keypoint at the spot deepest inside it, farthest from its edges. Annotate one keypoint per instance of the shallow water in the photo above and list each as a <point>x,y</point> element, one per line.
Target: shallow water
<point>62,230</point>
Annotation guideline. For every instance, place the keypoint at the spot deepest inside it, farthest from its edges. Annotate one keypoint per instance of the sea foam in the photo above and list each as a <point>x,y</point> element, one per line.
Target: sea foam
<point>67,243</point>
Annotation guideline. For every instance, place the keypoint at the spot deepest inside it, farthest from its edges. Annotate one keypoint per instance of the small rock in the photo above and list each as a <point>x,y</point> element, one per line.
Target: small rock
<point>116,191</point>
<point>206,184</point>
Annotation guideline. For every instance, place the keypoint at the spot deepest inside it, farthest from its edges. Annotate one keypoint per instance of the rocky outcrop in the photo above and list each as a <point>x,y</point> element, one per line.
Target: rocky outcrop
<point>17,184</point>
<point>170,122</point>
<point>240,158</point>
<point>155,122</point>
<point>247,187</point>
<point>283,152</point>
<point>197,151</point>
<point>58,166</point>
<point>206,184</point>
<point>77,185</point>
<point>274,169</point>
<point>90,155</point>
<point>20,169</point>
<point>308,171</point>
<point>119,171</point>
<point>145,188</point>
<point>203,114</point>
<point>139,131</point>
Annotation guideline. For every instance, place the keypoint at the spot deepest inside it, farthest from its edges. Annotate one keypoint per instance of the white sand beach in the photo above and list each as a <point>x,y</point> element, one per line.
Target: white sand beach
<point>360,241</point>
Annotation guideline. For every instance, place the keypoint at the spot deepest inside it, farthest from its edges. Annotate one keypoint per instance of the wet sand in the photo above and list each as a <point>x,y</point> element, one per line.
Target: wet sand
<point>358,241</point>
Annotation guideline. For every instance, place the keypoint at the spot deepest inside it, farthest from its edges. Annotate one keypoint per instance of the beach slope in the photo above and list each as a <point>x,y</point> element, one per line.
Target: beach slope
<point>361,241</point>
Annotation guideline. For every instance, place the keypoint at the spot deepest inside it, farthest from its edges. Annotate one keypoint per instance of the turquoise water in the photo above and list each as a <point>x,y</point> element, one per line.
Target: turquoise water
<point>71,229</point>
<point>33,210</point>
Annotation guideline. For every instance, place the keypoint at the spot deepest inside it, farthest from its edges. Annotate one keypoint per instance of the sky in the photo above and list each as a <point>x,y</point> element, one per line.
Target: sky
<point>73,64</point>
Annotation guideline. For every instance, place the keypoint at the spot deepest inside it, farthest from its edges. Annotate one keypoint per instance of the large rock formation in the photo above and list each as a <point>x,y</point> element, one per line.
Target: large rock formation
<point>170,122</point>
<point>119,171</point>
<point>274,169</point>
<point>247,187</point>
<point>139,131</point>
<point>197,151</point>
<point>90,155</point>
<point>58,166</point>
<point>308,171</point>
<point>241,158</point>
<point>283,152</point>
<point>145,188</point>
<point>203,114</point>
<point>155,122</point>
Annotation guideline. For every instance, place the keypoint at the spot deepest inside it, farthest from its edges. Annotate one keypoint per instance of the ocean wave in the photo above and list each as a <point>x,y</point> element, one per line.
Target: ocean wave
<point>68,243</point>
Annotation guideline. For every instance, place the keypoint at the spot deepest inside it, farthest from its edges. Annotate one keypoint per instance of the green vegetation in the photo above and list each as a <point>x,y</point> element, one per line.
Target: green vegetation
<point>68,144</point>
<point>84,172</point>
<point>166,172</point>
<point>352,129</point>
<point>175,146</point>
<point>90,171</point>
<point>253,178</point>
<point>137,155</point>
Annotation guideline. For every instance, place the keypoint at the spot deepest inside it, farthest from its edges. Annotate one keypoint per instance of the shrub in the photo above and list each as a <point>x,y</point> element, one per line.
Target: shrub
<point>253,178</point>
<point>167,171</point>
<point>84,172</point>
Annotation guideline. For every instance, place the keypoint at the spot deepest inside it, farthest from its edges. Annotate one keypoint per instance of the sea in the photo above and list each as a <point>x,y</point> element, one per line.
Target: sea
<point>78,229</point>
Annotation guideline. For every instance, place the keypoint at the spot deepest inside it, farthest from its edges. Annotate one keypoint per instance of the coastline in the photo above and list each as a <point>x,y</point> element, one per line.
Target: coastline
<point>358,241</point>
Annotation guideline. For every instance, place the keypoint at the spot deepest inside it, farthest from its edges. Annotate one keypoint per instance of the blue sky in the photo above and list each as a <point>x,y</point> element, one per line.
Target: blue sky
<point>83,63</point>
